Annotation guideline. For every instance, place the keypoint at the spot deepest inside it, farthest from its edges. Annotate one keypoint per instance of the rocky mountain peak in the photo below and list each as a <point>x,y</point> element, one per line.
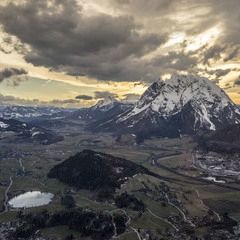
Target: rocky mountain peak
<point>181,104</point>
<point>105,104</point>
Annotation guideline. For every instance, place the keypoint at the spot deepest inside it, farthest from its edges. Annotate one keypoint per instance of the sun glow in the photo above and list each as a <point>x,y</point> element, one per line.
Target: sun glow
<point>207,37</point>
<point>175,38</point>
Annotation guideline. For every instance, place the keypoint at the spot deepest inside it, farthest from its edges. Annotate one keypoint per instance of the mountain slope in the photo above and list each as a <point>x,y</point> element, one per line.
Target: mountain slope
<point>104,109</point>
<point>30,113</point>
<point>28,132</point>
<point>180,105</point>
<point>225,140</point>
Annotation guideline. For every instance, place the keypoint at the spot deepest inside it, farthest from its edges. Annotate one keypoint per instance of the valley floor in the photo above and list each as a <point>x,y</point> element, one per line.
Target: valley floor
<point>190,197</point>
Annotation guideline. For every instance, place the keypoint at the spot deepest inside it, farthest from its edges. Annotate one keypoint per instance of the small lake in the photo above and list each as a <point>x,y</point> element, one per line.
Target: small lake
<point>31,199</point>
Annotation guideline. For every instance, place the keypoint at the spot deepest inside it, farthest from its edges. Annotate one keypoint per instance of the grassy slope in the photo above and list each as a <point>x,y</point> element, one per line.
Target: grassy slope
<point>43,159</point>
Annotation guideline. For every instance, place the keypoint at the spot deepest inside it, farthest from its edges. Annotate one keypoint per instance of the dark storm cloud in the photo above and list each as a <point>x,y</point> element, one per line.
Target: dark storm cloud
<point>143,7</point>
<point>62,102</point>
<point>175,61</point>
<point>225,13</point>
<point>219,73</point>
<point>203,15</point>
<point>227,86</point>
<point>229,13</point>
<point>9,44</point>
<point>237,82</point>
<point>12,100</point>
<point>215,75</point>
<point>8,73</point>
<point>232,54</point>
<point>213,53</point>
<point>206,14</point>
<point>84,97</point>
<point>15,100</point>
<point>222,72</point>
<point>161,15</point>
<point>104,94</point>
<point>62,38</point>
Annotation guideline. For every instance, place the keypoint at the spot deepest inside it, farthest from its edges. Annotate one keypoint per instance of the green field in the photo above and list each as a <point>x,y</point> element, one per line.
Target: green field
<point>175,154</point>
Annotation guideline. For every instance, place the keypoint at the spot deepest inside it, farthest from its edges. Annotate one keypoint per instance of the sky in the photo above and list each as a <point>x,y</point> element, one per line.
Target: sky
<point>72,53</point>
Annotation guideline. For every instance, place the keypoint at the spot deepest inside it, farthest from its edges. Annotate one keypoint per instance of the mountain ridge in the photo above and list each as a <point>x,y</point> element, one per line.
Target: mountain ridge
<point>28,132</point>
<point>181,105</point>
<point>103,110</point>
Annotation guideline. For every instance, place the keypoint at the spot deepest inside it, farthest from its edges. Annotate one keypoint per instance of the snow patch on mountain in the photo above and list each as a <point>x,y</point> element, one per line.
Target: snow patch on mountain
<point>3,125</point>
<point>181,105</point>
<point>173,94</point>
<point>36,133</point>
<point>105,104</point>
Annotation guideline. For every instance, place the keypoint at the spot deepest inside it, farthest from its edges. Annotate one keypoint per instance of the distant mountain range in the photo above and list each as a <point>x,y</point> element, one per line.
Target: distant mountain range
<point>104,110</point>
<point>180,105</point>
<point>29,113</point>
<point>28,132</point>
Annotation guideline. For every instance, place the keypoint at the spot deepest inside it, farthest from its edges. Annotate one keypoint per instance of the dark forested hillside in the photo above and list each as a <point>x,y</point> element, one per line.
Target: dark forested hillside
<point>223,140</point>
<point>94,170</point>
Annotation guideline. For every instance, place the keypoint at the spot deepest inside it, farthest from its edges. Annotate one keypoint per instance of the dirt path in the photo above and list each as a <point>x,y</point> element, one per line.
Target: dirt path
<point>128,224</point>
<point>164,220</point>
<point>6,195</point>
<point>21,165</point>
<point>136,231</point>
<point>206,207</point>
<point>115,228</point>
<point>181,211</point>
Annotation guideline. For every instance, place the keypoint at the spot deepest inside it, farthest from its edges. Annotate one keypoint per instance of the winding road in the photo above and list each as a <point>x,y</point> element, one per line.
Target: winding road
<point>21,165</point>
<point>185,178</point>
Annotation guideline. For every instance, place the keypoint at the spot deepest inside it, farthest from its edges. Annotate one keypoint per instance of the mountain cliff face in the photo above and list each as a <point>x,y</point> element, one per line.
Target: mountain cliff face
<point>180,105</point>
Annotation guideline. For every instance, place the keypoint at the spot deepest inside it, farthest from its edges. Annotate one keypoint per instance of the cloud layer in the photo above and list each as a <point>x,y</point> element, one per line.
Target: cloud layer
<point>8,73</point>
<point>61,37</point>
<point>125,40</point>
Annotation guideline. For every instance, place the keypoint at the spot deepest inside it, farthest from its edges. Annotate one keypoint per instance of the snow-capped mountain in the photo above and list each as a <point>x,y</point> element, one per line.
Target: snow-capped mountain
<point>29,113</point>
<point>180,105</point>
<point>104,109</point>
<point>27,132</point>
<point>105,104</point>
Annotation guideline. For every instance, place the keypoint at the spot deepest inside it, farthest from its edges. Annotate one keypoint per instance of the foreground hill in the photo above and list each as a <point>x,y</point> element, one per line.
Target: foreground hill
<point>95,170</point>
<point>28,132</point>
<point>180,105</point>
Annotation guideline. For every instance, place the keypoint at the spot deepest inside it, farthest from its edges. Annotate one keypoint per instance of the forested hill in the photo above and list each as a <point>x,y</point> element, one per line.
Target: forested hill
<point>94,170</point>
